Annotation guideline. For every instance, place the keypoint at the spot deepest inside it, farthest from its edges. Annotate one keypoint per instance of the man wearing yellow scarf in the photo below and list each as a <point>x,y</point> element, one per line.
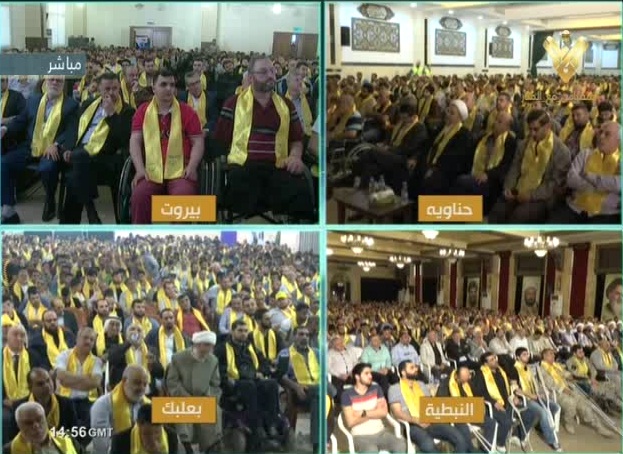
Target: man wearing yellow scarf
<point>494,155</point>
<point>34,435</point>
<point>196,97</point>
<point>603,360</point>
<point>49,122</point>
<point>118,408</point>
<point>147,78</point>
<point>404,401</point>
<point>51,340</point>
<point>129,85</point>
<point>581,369</point>
<point>244,374</point>
<point>492,383</point>
<point>145,436</point>
<point>104,128</point>
<point>572,403</point>
<point>303,111</point>
<point>577,133</point>
<point>266,341</point>
<point>539,170</point>
<point>450,156</point>
<point>299,370</point>
<point>17,361</point>
<point>166,340</point>
<point>399,156</point>
<point>595,181</point>
<point>263,134</point>
<point>503,103</point>
<point>168,133</point>
<point>345,123</point>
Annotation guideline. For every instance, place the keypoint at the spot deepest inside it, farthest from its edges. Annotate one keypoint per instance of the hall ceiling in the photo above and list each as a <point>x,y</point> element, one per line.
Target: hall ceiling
<point>477,244</point>
<point>595,20</point>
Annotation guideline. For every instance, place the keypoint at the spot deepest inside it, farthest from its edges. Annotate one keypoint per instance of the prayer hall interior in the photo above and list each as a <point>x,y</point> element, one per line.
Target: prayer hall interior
<point>438,311</point>
<point>505,101</point>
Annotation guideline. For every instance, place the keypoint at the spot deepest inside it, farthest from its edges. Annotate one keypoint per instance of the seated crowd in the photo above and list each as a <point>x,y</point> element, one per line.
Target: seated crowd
<point>384,356</point>
<point>93,329</point>
<point>535,149</point>
<point>161,108</point>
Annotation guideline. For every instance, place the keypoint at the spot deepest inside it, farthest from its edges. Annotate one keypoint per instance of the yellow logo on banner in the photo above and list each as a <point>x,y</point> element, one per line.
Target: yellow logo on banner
<point>448,410</point>
<point>183,208</point>
<point>450,208</point>
<point>184,410</point>
<point>566,60</point>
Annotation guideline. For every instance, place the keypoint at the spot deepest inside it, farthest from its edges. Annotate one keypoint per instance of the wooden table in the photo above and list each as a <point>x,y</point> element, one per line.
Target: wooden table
<point>359,202</point>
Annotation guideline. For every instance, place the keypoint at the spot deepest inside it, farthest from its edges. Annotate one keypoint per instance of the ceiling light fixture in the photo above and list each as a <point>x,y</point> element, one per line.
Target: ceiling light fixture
<point>329,251</point>
<point>366,266</point>
<point>453,253</point>
<point>541,245</point>
<point>400,261</point>
<point>450,12</point>
<point>357,243</point>
<point>430,234</point>
<point>277,8</point>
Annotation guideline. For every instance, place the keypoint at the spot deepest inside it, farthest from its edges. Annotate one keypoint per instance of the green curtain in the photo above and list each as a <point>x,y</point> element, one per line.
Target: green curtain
<point>538,51</point>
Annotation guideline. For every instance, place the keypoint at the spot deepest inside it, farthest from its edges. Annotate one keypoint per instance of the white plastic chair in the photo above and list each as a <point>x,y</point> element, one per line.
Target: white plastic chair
<point>517,419</point>
<point>476,431</point>
<point>349,437</point>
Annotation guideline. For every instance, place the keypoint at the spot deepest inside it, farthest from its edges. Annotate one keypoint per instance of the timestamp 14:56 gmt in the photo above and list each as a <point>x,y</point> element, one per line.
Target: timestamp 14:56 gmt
<point>82,432</point>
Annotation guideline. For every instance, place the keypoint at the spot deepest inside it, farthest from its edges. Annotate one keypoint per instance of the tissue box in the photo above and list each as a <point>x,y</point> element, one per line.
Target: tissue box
<point>384,197</point>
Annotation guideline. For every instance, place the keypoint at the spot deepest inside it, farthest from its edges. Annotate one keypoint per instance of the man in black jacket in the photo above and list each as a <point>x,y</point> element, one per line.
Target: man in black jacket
<point>104,128</point>
<point>152,437</point>
<point>398,158</point>
<point>13,104</point>
<point>59,410</point>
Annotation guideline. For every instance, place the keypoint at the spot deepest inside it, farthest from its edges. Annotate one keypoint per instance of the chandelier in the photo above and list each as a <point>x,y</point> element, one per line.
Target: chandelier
<point>357,243</point>
<point>400,261</point>
<point>452,253</point>
<point>366,265</point>
<point>329,251</point>
<point>541,245</point>
<point>430,234</point>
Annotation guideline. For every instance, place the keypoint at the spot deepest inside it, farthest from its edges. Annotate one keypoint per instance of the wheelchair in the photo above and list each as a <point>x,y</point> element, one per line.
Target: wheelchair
<point>228,216</point>
<point>208,173</point>
<point>342,159</point>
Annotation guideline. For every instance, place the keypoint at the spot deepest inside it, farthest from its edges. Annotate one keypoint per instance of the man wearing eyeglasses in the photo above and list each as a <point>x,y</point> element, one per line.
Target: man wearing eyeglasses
<point>51,124</point>
<point>538,173</point>
<point>262,134</point>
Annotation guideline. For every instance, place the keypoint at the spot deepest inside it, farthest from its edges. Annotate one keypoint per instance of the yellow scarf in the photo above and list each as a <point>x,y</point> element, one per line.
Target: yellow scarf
<point>98,324</point>
<point>17,290</point>
<point>128,96</point>
<point>16,386</point>
<point>401,130</point>
<point>136,446</point>
<point>145,324</point>
<point>535,160</point>
<point>232,369</point>
<point>329,404</point>
<point>308,118</point>
<point>142,79</point>
<point>586,137</point>
<point>492,387</point>
<point>250,322</point>
<point>581,367</point>
<point>200,319</point>
<point>412,393</point>
<point>122,409</point>
<point>130,358</point>
<point>87,369</point>
<point>260,344</point>
<point>243,119</point>
<point>8,321</point>
<point>424,107</point>
<point>54,417</point>
<point>597,164</point>
<point>5,101</point>
<point>202,285</point>
<point>33,314</point>
<point>607,358</point>
<point>45,131</point>
<point>167,301</point>
<point>204,82</point>
<point>52,350</point>
<point>306,373</point>
<point>555,371</point>
<point>98,138</point>
<point>178,340</point>
<point>525,378</point>
<point>455,386</point>
<point>442,141</point>
<point>480,157</point>
<point>201,108</point>
<point>222,300</point>
<point>88,290</point>
<point>174,165</point>
<point>100,343</point>
<point>63,444</point>
<point>471,118</point>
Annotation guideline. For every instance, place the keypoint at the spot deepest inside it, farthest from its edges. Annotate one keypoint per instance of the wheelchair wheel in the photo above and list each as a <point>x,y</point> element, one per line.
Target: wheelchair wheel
<point>124,194</point>
<point>356,152</point>
<point>234,440</point>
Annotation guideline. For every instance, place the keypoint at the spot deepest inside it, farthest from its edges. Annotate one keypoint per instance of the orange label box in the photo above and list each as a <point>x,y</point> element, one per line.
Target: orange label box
<point>183,410</point>
<point>450,208</point>
<point>448,410</point>
<point>183,208</point>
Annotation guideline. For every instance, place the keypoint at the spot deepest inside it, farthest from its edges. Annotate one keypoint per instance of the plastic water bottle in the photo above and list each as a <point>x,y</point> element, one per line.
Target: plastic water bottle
<point>382,183</point>
<point>357,183</point>
<point>404,193</point>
